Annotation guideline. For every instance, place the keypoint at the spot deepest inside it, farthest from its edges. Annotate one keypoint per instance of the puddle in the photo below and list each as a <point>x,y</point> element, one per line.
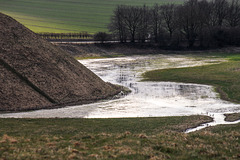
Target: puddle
<point>148,99</point>
<point>218,118</point>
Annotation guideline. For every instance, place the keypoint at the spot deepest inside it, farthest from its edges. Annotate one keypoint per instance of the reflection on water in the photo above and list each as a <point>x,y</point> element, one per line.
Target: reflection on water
<point>147,98</point>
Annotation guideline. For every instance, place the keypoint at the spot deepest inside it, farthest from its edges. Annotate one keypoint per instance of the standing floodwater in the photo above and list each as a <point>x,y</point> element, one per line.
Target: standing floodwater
<point>148,99</point>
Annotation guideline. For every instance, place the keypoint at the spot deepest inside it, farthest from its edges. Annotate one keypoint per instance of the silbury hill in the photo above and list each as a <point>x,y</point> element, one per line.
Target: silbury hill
<point>34,74</point>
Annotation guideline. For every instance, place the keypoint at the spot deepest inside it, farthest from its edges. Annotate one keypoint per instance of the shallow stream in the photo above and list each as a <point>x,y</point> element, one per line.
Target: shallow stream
<point>148,99</point>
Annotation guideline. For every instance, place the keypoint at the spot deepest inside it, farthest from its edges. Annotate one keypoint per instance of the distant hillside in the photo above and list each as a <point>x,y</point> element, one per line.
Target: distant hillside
<point>34,74</point>
<point>67,15</point>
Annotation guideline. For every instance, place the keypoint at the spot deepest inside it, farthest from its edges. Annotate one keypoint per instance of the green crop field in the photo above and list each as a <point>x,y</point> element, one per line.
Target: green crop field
<point>62,16</point>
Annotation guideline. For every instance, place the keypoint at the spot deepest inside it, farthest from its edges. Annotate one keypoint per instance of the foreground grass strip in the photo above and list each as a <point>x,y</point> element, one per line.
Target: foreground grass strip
<point>70,127</point>
<point>133,138</point>
<point>225,77</point>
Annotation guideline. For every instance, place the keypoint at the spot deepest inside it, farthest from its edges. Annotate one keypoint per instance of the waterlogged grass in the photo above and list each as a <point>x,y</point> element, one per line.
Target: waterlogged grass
<point>224,76</point>
<point>63,16</point>
<point>232,117</point>
<point>133,138</point>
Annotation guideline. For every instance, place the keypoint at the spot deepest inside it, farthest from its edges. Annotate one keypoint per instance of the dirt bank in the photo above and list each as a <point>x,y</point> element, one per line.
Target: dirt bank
<point>118,49</point>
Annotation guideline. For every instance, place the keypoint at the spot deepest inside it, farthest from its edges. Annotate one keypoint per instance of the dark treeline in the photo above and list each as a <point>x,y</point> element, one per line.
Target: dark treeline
<point>195,23</point>
<point>59,36</point>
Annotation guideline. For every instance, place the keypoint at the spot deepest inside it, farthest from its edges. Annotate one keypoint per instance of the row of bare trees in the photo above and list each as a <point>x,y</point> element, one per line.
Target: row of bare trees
<point>208,23</point>
<point>60,36</point>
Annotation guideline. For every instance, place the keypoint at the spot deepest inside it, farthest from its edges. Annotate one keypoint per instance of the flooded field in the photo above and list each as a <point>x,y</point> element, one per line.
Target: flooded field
<point>148,99</point>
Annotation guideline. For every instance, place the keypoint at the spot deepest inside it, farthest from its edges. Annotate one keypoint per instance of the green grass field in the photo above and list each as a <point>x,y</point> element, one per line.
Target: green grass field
<point>63,16</point>
<point>130,138</point>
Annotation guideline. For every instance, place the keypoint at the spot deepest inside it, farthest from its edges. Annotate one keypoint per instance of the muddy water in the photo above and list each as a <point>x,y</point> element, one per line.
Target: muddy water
<point>148,99</point>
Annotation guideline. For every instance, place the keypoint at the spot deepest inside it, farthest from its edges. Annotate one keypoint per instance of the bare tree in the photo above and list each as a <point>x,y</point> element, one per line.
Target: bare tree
<point>220,11</point>
<point>233,16</point>
<point>131,19</point>
<point>168,13</point>
<point>188,19</point>
<point>117,26</point>
<point>204,17</point>
<point>156,20</point>
<point>143,29</point>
